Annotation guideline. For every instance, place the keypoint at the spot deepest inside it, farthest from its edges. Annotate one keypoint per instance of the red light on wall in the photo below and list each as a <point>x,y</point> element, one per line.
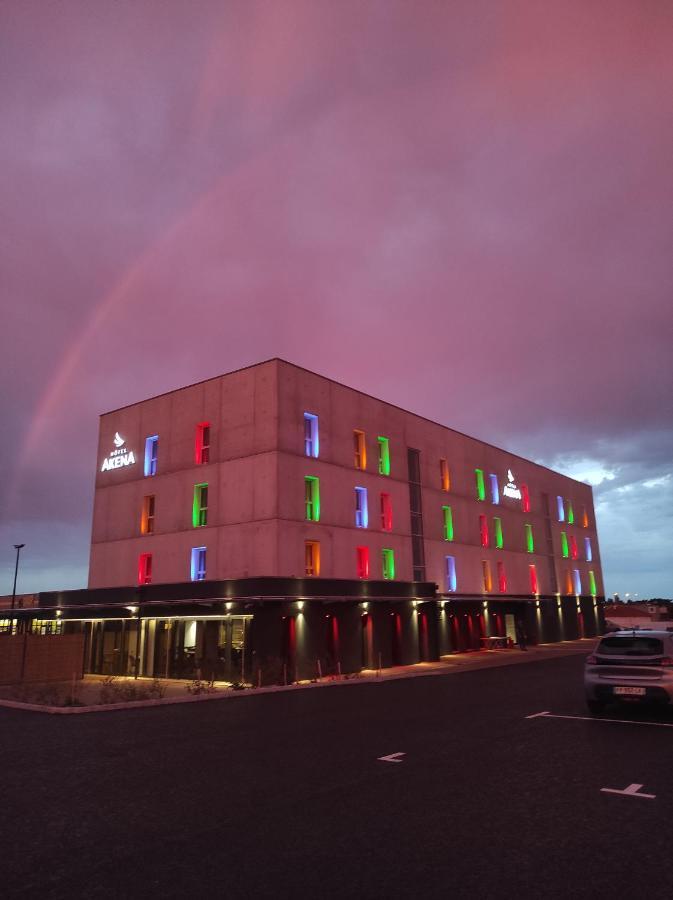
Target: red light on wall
<point>145,568</point>
<point>502,578</point>
<point>202,443</point>
<point>363,562</point>
<point>533,580</point>
<point>573,547</point>
<point>483,528</point>
<point>525,498</point>
<point>386,513</point>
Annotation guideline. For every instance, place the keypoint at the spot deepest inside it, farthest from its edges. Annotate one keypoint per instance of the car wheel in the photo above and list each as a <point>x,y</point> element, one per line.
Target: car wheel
<point>595,707</point>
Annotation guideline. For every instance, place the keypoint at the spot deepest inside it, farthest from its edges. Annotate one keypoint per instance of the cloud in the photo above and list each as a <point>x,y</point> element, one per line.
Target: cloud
<point>464,210</point>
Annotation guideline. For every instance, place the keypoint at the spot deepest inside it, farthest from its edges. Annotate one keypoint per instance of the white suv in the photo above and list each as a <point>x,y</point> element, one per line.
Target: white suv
<point>630,666</point>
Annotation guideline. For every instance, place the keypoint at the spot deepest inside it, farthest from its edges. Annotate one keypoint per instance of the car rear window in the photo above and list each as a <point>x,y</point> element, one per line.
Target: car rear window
<point>631,646</point>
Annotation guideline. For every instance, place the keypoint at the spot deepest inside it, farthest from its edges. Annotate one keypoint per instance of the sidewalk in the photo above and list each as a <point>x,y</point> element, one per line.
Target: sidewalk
<point>175,690</point>
<point>483,659</point>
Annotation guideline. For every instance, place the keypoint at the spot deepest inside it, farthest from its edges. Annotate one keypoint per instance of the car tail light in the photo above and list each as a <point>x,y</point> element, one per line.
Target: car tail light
<point>666,661</point>
<point>591,660</point>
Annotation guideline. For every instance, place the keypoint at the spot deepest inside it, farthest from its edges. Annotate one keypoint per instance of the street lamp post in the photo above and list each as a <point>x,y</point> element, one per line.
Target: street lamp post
<point>18,548</point>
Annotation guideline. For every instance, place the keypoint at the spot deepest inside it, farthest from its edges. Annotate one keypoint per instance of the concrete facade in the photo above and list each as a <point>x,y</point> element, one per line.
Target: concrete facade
<point>256,503</point>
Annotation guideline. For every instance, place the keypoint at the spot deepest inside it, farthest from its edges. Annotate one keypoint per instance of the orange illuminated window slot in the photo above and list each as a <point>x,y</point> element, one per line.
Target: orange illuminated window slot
<point>486,575</point>
<point>444,475</point>
<point>360,449</point>
<point>147,517</point>
<point>312,558</point>
<point>569,582</point>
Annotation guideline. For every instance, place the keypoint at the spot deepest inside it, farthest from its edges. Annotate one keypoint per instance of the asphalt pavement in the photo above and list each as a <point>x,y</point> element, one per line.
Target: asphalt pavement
<point>291,794</point>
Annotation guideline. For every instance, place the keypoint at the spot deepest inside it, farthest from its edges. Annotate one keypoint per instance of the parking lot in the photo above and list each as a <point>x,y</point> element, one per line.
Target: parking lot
<point>444,786</point>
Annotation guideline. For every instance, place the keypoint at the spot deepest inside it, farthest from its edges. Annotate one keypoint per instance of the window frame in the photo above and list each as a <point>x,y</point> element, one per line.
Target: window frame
<point>311,498</point>
<point>148,513</point>
<point>502,576</point>
<point>311,435</point>
<point>388,564</point>
<point>312,559</point>
<point>199,508</point>
<point>480,485</point>
<point>447,523</point>
<point>359,450</point>
<point>151,455</point>
<point>198,572</point>
<point>361,507</point>
<point>384,455</point>
<point>486,576</point>
<point>450,579</point>
<point>498,533</point>
<point>386,512</point>
<point>494,488</point>
<point>202,444</point>
<point>444,474</point>
<point>362,562</point>
<point>483,531</point>
<point>145,568</point>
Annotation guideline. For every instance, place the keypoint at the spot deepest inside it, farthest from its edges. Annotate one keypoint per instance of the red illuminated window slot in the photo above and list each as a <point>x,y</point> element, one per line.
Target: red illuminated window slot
<point>483,528</point>
<point>145,568</point>
<point>573,547</point>
<point>202,443</point>
<point>363,562</point>
<point>502,578</point>
<point>525,498</point>
<point>533,580</point>
<point>386,513</point>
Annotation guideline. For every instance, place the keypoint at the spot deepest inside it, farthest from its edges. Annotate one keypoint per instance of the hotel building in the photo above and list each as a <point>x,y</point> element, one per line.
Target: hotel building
<point>272,520</point>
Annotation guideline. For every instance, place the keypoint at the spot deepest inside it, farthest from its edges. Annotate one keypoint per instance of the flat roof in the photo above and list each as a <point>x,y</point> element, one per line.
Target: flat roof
<point>347,387</point>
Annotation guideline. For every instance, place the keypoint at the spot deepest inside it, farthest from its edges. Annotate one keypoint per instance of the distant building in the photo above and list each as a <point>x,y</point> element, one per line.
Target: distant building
<point>20,601</point>
<point>275,513</point>
<point>636,615</point>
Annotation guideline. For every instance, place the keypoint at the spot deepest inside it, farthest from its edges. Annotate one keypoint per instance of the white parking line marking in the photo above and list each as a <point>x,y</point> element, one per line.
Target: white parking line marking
<point>631,791</point>
<point>392,757</point>
<point>549,715</point>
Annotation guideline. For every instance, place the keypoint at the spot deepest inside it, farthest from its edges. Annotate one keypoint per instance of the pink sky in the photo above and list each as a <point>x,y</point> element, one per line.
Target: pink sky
<point>464,208</point>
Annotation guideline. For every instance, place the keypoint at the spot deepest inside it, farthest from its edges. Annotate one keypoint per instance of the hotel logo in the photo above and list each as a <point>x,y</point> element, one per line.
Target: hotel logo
<point>510,489</point>
<point>118,457</point>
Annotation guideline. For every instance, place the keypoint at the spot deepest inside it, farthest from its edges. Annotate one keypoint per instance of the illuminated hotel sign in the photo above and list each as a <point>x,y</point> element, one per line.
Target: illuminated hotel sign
<point>118,457</point>
<point>510,489</point>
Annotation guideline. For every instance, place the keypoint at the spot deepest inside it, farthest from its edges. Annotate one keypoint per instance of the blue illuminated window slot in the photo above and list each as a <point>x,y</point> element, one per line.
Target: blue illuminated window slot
<point>311,435</point>
<point>450,573</point>
<point>198,564</point>
<point>151,454</point>
<point>361,508</point>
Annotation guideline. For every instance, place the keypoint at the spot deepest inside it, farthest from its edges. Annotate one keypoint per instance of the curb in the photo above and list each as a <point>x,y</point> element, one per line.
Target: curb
<point>446,669</point>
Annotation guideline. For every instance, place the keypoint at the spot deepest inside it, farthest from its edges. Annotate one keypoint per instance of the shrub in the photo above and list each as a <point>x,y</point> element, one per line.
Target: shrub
<point>201,687</point>
<point>157,689</point>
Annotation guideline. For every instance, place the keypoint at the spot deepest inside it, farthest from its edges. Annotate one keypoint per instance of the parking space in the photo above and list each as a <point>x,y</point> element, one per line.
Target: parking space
<point>449,785</point>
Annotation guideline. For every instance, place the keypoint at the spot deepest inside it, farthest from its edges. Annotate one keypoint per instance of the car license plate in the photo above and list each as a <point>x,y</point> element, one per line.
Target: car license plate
<point>631,691</point>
